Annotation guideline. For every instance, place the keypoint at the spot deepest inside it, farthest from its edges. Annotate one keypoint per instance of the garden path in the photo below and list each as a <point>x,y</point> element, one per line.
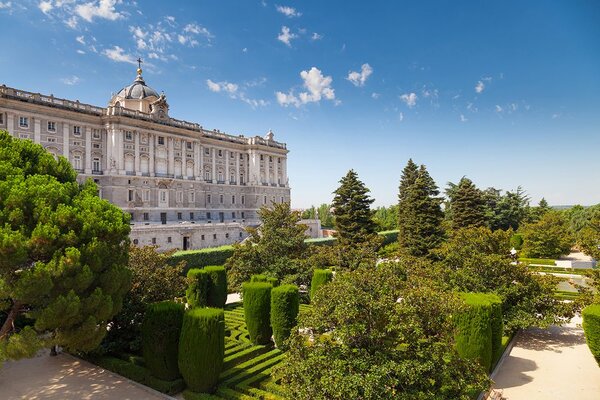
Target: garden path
<point>553,363</point>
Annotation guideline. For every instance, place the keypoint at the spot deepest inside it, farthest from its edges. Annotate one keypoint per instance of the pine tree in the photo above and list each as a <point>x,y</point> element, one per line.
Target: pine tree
<point>352,210</point>
<point>467,205</point>
<point>63,254</point>
<point>420,221</point>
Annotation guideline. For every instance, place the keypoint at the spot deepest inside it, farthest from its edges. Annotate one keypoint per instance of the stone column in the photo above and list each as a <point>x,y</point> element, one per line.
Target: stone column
<point>120,151</point>
<point>136,152</point>
<point>37,131</point>
<point>197,169</point>
<point>253,168</point>
<point>276,170</point>
<point>201,161</point>
<point>110,144</point>
<point>88,150</point>
<point>237,167</point>
<point>66,140</point>
<point>214,165</point>
<point>151,139</point>
<point>227,167</point>
<point>10,123</point>
<point>171,155</point>
<point>284,177</point>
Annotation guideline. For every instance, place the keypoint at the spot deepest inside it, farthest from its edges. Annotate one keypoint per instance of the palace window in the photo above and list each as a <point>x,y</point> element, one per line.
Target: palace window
<point>279,161</point>
<point>51,139</point>
<point>233,215</point>
<point>96,133</point>
<point>192,197</point>
<point>51,126</point>
<point>232,199</point>
<point>261,157</point>
<point>130,195</point>
<point>128,135</point>
<point>188,145</point>
<point>77,161</point>
<point>221,199</point>
<point>220,153</point>
<point>153,240</point>
<point>96,164</point>
<point>240,233</point>
<point>208,198</point>
<point>201,237</point>
<point>243,215</point>
<point>24,122</point>
<point>191,216</point>
<point>146,195</point>
<point>161,140</point>
<point>163,196</point>
<point>146,216</point>
<point>179,216</point>
<point>207,151</point>
<point>214,236</point>
<point>242,179</point>
<point>96,145</point>
<point>76,130</point>
<point>2,118</point>
<point>207,175</point>
<point>265,200</point>
<point>208,215</point>
<point>227,236</point>
<point>270,159</point>
<point>168,239</point>
<point>180,197</point>
<point>243,199</point>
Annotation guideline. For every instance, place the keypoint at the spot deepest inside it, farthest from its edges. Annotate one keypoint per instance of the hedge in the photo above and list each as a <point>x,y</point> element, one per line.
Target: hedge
<point>217,288</point>
<point>591,328</point>
<point>320,277</point>
<point>197,290</point>
<point>516,241</point>
<point>257,311</point>
<point>388,237</point>
<point>285,305</point>
<point>202,258</point>
<point>264,278</point>
<point>541,261</point>
<point>201,348</point>
<point>161,328</point>
<point>497,325</point>
<point>474,329</point>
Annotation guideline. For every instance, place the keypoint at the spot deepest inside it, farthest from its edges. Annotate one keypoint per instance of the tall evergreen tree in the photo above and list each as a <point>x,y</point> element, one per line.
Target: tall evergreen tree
<point>467,205</point>
<point>420,213</point>
<point>352,210</point>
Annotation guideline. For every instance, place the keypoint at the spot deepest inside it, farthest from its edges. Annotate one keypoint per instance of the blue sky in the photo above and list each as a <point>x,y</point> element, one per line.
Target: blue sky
<point>506,93</point>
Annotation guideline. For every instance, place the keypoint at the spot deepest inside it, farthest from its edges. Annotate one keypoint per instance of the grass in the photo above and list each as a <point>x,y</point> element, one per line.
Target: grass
<point>541,261</point>
<point>206,250</point>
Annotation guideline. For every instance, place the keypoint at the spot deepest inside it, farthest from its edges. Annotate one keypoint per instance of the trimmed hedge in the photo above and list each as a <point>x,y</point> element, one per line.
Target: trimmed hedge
<point>161,328</point>
<point>202,258</point>
<point>474,329</point>
<point>497,325</point>
<point>217,289</point>
<point>201,348</point>
<point>264,278</point>
<point>198,287</point>
<point>388,237</point>
<point>591,328</point>
<point>320,277</point>
<point>257,311</point>
<point>285,305</point>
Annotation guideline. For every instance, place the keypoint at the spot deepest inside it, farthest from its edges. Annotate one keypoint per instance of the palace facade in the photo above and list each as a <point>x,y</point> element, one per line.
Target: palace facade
<point>184,186</point>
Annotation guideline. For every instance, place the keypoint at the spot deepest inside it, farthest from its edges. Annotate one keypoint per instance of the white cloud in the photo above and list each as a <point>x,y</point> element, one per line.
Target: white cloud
<point>317,87</point>
<point>138,32</point>
<point>316,36</point>
<point>245,50</point>
<point>80,39</point>
<point>98,9</point>
<point>410,99</point>
<point>375,95</point>
<point>471,107</point>
<point>286,36</point>
<point>5,5</point>
<point>289,12</point>
<point>234,91</point>
<point>479,87</point>
<point>197,30</point>
<point>401,117</point>
<point>71,22</point>
<point>513,107</point>
<point>170,20</point>
<point>498,109</point>
<point>359,78</point>
<point>73,80</point>
<point>463,118</point>
<point>80,52</point>
<point>45,6</point>
<point>118,54</point>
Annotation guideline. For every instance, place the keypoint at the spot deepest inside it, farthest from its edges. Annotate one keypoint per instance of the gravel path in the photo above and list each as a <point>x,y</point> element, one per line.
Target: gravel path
<point>550,364</point>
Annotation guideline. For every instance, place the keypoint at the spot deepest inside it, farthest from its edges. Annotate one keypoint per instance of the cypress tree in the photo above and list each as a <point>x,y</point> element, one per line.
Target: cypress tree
<point>468,205</point>
<point>420,213</point>
<point>352,210</point>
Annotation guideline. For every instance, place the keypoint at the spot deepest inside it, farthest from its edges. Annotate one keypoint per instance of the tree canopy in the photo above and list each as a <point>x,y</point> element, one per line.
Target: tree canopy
<point>467,205</point>
<point>547,238</point>
<point>63,254</point>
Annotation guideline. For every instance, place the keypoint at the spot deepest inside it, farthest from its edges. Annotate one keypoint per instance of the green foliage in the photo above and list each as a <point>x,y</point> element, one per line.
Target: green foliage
<point>516,241</point>
<point>257,310</point>
<point>368,344</point>
<point>352,209</point>
<point>277,248</point>
<point>474,329</point>
<point>547,238</point>
<point>323,212</point>
<point>505,211</point>
<point>588,237</point>
<point>320,277</point>
<point>591,328</point>
<point>386,218</point>
<point>203,257</point>
<point>63,252</point>
<point>201,348</point>
<point>285,305</point>
<point>420,213</point>
<point>161,329</point>
<point>497,325</point>
<point>542,261</point>
<point>217,288</point>
<point>153,279</point>
<point>467,207</point>
<point>389,237</point>
<point>199,282</point>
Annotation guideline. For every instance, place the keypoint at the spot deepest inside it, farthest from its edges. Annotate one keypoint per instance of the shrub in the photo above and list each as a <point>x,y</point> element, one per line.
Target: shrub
<point>497,325</point>
<point>516,241</point>
<point>201,348</point>
<point>257,307</point>
<point>258,278</point>
<point>474,329</point>
<point>591,328</point>
<point>320,277</point>
<point>389,237</point>
<point>285,303</point>
<point>198,286</point>
<point>217,290</point>
<point>202,258</point>
<point>160,338</point>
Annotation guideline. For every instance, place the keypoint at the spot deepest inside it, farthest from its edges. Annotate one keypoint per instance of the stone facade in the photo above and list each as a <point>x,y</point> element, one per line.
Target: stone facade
<point>181,183</point>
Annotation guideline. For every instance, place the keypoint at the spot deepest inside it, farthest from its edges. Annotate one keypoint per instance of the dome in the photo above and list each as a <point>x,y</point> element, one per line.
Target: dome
<point>137,90</point>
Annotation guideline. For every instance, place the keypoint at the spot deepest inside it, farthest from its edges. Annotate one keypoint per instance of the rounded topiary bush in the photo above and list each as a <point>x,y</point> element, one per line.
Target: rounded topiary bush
<point>217,287</point>
<point>161,329</point>
<point>198,286</point>
<point>201,348</point>
<point>257,311</point>
<point>320,277</point>
<point>474,329</point>
<point>591,328</point>
<point>285,304</point>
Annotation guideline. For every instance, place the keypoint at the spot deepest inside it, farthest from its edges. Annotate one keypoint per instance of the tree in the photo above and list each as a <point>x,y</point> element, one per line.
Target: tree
<point>63,254</point>
<point>588,238</point>
<point>547,238</point>
<point>326,216</point>
<point>352,211</point>
<point>505,211</point>
<point>276,248</point>
<point>467,205</point>
<point>420,213</point>
<point>386,218</point>
<point>367,344</point>
<point>153,280</point>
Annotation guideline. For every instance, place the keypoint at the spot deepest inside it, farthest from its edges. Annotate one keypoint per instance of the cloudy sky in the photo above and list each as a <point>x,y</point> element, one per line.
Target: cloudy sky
<point>506,93</point>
